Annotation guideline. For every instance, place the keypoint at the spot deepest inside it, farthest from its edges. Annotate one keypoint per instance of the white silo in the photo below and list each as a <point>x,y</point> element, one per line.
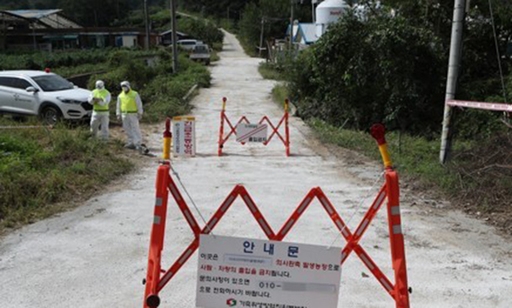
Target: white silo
<point>328,12</point>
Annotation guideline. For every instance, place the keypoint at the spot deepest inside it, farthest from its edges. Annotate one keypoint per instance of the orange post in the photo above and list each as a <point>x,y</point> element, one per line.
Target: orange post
<point>167,140</point>
<point>221,130</point>
<point>396,238</point>
<point>286,128</point>
<point>156,244</point>
<point>400,290</point>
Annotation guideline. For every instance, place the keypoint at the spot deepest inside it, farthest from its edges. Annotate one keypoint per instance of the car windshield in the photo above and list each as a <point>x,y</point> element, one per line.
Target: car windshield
<point>201,49</point>
<point>50,83</point>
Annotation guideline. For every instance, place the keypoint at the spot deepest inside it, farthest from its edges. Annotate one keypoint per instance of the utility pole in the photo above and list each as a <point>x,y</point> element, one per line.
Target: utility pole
<point>453,75</point>
<point>261,35</point>
<point>174,37</point>
<point>291,24</point>
<point>146,22</point>
<point>33,35</point>
<point>313,2</point>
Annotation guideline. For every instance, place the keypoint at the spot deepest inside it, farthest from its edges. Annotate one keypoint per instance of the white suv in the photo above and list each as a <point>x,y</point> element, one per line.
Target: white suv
<point>187,44</point>
<point>43,94</point>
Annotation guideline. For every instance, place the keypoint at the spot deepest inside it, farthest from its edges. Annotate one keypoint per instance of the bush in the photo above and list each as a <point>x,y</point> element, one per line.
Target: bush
<point>205,31</point>
<point>381,70</point>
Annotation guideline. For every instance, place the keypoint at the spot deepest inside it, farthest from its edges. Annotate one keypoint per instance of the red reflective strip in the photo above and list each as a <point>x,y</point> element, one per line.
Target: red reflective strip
<point>480,105</point>
<point>390,189</point>
<point>249,134</point>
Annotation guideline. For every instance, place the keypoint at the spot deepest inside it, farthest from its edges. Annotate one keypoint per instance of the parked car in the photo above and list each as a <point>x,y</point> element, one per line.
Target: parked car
<point>43,94</point>
<point>201,53</point>
<point>187,44</point>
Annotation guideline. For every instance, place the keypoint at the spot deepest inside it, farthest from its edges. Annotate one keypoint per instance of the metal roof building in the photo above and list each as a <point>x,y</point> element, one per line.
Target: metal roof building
<point>50,29</point>
<point>37,19</point>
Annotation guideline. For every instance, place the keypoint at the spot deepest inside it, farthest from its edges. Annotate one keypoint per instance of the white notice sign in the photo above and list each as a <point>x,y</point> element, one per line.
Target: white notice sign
<point>184,136</point>
<point>241,272</point>
<point>251,132</point>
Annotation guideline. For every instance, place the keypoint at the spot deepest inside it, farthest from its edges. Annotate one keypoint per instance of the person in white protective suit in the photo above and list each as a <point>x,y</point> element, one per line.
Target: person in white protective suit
<point>99,99</point>
<point>129,109</point>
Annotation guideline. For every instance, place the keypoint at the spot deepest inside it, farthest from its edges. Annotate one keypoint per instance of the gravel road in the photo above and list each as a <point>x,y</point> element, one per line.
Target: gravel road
<point>96,254</point>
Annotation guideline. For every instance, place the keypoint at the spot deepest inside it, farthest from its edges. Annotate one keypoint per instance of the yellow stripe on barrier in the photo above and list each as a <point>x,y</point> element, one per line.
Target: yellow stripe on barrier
<point>383,148</point>
<point>184,118</point>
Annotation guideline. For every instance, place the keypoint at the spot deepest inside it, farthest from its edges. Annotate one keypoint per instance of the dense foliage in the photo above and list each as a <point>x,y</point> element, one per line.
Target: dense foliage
<point>269,20</point>
<point>42,60</point>
<point>218,8</point>
<point>202,30</point>
<point>381,70</point>
<point>41,166</point>
<point>391,67</point>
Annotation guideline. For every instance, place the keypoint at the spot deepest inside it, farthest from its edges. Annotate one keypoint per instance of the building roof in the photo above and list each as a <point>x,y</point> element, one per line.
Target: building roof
<point>303,32</point>
<point>308,32</point>
<point>170,31</point>
<point>52,19</point>
<point>34,14</point>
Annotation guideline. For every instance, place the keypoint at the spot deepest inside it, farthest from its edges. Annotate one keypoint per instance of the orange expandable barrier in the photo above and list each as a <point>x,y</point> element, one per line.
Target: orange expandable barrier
<point>398,290</point>
<point>223,138</point>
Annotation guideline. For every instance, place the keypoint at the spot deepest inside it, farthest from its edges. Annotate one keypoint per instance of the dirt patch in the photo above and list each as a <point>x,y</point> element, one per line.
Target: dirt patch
<point>485,174</point>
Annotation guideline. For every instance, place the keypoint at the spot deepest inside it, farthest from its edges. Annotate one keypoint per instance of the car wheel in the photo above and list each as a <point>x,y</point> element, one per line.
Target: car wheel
<point>50,115</point>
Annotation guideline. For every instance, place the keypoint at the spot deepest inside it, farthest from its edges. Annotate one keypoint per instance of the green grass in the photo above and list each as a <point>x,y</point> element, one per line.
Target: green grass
<point>69,71</point>
<point>476,179</point>
<point>415,158</point>
<point>249,49</point>
<point>268,71</point>
<point>215,55</point>
<point>44,171</point>
<point>40,168</point>
<point>279,93</point>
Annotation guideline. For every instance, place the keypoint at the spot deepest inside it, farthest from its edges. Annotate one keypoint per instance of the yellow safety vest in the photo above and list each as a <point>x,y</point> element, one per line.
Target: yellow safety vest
<point>103,93</point>
<point>128,102</point>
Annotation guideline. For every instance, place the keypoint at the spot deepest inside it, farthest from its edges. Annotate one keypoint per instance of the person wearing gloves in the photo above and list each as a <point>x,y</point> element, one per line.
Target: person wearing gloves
<point>129,109</point>
<point>99,99</point>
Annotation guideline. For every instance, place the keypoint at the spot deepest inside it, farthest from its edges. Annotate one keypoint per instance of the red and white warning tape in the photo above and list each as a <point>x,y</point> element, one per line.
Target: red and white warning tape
<point>481,105</point>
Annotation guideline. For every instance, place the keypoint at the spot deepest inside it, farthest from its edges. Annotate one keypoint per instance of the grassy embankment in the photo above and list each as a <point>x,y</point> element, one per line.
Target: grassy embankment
<point>477,179</point>
<point>43,171</point>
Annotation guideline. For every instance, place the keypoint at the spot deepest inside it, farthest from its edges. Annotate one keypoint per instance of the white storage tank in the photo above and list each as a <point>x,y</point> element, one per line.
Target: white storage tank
<point>328,12</point>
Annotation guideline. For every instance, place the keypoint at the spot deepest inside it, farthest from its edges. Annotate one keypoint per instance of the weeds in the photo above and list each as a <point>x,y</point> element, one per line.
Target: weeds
<point>477,179</point>
<point>40,167</point>
<point>268,71</point>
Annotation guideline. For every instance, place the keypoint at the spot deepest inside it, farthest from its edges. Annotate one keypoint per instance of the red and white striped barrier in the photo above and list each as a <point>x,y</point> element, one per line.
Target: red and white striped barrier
<point>253,132</point>
<point>157,278</point>
<point>480,105</point>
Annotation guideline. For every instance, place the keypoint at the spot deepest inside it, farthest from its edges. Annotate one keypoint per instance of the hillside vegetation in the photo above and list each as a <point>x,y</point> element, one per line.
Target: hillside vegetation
<point>391,67</point>
<point>44,170</point>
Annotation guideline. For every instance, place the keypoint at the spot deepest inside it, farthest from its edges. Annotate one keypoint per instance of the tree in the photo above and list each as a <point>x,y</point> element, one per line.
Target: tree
<point>383,70</point>
<point>392,67</point>
<point>14,4</point>
<point>276,16</point>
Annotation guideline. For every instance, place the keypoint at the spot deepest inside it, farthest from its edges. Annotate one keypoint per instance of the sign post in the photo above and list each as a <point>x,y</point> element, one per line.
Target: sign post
<point>184,136</point>
<point>242,272</point>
